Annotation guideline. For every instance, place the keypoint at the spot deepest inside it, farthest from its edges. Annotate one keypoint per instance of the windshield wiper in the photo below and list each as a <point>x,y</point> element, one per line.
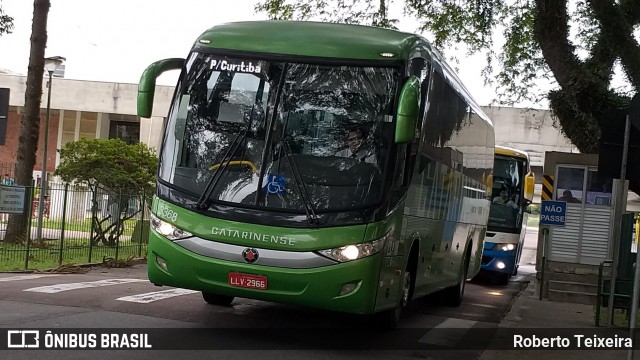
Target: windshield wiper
<point>312,218</point>
<point>203,201</point>
<point>269,136</point>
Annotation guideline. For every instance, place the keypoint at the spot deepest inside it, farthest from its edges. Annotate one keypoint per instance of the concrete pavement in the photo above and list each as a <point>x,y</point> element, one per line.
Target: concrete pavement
<point>528,312</point>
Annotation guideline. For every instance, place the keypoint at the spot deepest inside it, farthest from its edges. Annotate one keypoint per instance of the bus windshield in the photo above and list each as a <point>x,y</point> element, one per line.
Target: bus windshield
<point>507,193</point>
<point>280,135</point>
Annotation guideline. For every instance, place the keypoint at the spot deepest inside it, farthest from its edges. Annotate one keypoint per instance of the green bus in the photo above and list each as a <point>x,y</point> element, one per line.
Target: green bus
<point>333,166</point>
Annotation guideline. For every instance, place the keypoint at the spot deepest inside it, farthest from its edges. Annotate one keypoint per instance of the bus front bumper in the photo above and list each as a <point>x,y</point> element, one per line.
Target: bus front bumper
<point>321,287</point>
<point>499,261</point>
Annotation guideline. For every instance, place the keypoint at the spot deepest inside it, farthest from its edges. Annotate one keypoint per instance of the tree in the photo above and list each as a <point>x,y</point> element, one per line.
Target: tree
<point>6,22</point>
<point>113,167</point>
<point>538,45</point>
<point>30,124</point>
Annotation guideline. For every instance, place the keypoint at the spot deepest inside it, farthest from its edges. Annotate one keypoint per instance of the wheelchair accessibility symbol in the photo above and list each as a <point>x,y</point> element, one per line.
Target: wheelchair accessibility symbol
<point>275,184</point>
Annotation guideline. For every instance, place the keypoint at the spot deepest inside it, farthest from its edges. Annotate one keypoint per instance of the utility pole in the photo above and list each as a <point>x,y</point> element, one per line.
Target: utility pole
<point>633,116</point>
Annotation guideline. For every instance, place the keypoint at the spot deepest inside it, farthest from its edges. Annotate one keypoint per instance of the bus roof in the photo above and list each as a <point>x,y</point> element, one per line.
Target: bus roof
<point>307,38</point>
<point>507,151</point>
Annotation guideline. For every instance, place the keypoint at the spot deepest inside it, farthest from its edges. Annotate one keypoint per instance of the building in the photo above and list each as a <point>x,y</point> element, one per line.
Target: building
<point>108,110</point>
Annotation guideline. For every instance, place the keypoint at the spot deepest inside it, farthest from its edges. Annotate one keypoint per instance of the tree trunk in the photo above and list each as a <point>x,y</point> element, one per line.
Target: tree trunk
<point>30,124</point>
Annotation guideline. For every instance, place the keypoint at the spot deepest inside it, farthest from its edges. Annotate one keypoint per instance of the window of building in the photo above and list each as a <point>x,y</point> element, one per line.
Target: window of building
<point>127,131</point>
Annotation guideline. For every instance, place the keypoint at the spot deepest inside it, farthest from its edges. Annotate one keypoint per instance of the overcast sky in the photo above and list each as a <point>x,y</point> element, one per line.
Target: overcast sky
<point>115,40</point>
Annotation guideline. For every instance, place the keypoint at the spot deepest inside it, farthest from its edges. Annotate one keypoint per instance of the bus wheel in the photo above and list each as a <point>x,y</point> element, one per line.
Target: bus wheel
<point>452,296</point>
<point>502,278</point>
<point>216,299</point>
<point>390,319</point>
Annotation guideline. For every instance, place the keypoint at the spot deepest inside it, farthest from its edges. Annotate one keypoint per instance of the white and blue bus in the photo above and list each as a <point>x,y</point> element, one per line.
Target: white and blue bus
<point>512,192</point>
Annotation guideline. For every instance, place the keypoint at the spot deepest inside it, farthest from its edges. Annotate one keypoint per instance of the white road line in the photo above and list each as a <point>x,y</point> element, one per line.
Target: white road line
<point>52,289</point>
<point>25,277</point>
<point>488,306</point>
<point>156,295</point>
<point>448,332</point>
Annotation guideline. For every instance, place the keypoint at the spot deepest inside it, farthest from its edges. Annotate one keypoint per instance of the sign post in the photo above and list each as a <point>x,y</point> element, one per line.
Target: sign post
<point>551,213</point>
<point>633,117</point>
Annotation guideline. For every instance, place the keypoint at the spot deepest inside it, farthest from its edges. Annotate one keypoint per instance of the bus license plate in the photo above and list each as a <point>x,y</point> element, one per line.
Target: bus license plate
<point>248,281</point>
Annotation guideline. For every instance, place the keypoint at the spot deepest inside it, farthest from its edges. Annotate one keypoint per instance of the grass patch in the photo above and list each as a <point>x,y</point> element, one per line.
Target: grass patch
<point>533,220</point>
<point>620,317</point>
<point>74,251</point>
<point>77,225</point>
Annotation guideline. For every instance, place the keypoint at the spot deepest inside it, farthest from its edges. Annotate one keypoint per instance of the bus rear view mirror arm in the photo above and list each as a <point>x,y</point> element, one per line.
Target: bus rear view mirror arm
<point>147,86</point>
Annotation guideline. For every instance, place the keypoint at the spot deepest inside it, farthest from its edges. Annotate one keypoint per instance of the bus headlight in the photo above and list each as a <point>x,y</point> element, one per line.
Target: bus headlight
<point>168,230</point>
<point>504,247</point>
<point>355,251</point>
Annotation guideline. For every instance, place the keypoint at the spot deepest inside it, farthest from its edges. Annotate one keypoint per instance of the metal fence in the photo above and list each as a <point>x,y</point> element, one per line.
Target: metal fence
<point>7,169</point>
<point>71,224</point>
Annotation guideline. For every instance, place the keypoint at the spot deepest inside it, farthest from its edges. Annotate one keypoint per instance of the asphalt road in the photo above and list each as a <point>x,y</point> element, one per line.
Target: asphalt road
<point>120,299</point>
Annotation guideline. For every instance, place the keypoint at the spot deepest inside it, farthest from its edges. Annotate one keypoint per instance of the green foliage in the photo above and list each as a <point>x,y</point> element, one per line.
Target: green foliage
<point>575,45</point>
<point>6,22</point>
<point>123,171</point>
<point>535,209</point>
<point>112,164</point>
<point>365,12</point>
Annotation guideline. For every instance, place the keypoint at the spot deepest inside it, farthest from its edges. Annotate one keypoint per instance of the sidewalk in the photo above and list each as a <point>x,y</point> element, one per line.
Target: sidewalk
<point>527,312</point>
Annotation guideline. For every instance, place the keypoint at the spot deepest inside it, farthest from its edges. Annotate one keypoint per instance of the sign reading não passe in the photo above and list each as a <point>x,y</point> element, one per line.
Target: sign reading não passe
<point>553,212</point>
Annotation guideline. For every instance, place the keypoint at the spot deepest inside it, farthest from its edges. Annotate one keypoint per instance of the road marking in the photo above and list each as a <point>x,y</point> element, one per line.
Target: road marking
<point>489,306</point>
<point>156,295</point>
<point>52,289</point>
<point>25,277</point>
<point>448,332</point>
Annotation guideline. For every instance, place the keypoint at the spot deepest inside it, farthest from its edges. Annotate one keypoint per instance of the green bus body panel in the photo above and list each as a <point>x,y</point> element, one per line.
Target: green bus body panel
<point>378,276</point>
<point>315,287</point>
<point>441,262</point>
<point>271,237</point>
<point>304,38</point>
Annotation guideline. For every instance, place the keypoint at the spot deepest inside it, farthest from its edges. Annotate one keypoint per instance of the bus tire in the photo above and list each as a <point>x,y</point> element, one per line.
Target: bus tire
<point>453,296</point>
<point>390,319</point>
<point>502,278</point>
<point>216,299</point>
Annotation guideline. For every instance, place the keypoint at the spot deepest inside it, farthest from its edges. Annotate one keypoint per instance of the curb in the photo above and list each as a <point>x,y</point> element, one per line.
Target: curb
<point>509,315</point>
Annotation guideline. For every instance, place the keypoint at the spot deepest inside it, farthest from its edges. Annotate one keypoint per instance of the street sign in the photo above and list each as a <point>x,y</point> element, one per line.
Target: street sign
<point>553,212</point>
<point>12,199</point>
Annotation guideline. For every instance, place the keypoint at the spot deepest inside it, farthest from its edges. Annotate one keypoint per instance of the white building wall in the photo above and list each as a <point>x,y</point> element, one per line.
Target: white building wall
<point>530,130</point>
<point>100,97</point>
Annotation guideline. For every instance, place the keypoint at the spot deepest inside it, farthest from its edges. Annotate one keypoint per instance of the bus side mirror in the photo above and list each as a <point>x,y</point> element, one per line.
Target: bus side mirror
<point>489,181</point>
<point>147,86</point>
<point>529,185</point>
<point>408,108</point>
